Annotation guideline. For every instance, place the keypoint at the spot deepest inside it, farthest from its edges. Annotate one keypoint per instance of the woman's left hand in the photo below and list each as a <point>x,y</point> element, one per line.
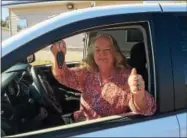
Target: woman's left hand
<point>136,84</point>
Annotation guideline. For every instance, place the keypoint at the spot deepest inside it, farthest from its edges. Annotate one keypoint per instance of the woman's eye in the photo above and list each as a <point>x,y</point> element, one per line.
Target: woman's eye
<point>107,50</point>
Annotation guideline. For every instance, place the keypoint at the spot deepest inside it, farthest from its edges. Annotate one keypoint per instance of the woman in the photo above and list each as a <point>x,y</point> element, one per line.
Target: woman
<point>108,87</point>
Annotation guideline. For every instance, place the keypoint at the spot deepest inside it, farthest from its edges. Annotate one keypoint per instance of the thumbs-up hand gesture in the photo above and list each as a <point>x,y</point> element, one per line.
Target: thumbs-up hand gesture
<point>136,83</point>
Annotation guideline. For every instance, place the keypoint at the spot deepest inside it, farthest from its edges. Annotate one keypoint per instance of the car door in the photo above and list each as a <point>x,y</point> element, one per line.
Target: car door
<point>182,122</point>
<point>179,59</point>
<point>164,122</point>
<point>182,117</point>
<point>163,127</point>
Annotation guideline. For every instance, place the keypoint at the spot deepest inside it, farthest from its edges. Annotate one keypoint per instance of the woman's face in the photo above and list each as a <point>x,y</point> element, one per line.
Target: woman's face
<point>103,53</point>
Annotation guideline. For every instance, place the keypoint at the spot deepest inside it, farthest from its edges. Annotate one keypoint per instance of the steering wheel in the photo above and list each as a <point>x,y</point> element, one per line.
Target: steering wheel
<point>44,88</point>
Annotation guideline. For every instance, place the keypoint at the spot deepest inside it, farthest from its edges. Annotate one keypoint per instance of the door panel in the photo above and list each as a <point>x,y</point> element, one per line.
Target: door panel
<point>164,127</point>
<point>182,118</point>
<point>179,59</point>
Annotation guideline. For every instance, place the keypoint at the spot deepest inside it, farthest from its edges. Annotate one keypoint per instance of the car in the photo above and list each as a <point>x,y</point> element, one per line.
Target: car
<point>34,104</point>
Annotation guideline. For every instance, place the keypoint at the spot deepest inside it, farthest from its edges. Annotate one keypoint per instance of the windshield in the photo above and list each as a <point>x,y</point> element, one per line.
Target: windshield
<point>74,45</point>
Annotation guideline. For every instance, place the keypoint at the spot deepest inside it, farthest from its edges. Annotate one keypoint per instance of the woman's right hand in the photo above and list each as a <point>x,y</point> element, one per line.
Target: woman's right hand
<point>57,47</point>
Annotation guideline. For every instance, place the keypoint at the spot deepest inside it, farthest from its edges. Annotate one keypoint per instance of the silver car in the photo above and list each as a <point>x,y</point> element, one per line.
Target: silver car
<point>31,106</point>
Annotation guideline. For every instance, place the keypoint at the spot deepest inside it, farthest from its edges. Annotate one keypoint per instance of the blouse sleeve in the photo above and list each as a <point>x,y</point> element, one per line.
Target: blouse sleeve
<point>150,103</point>
<point>150,107</point>
<point>70,77</point>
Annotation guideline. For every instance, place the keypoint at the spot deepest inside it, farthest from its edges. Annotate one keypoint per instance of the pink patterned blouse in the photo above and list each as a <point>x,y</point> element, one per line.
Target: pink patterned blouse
<point>113,98</point>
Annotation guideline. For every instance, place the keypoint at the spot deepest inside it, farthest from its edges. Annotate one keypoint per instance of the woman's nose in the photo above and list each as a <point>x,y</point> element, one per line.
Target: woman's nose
<point>103,53</point>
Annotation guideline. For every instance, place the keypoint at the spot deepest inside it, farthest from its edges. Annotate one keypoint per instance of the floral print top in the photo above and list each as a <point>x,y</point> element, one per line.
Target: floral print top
<point>113,98</point>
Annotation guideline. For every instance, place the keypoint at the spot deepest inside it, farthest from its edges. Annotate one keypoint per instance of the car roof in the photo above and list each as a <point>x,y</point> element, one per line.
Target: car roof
<point>69,17</point>
<point>173,7</point>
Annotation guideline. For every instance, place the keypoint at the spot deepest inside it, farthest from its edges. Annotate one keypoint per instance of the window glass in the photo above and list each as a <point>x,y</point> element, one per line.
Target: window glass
<point>21,24</point>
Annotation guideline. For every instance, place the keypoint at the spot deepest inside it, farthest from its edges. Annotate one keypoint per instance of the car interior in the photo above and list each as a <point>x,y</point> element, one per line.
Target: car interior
<point>33,99</point>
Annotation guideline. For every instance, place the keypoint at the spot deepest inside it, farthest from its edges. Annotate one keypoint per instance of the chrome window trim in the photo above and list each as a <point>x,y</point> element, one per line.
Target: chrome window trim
<point>154,67</point>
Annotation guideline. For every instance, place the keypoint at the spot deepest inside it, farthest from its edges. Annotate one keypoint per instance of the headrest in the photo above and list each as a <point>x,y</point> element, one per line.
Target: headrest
<point>138,56</point>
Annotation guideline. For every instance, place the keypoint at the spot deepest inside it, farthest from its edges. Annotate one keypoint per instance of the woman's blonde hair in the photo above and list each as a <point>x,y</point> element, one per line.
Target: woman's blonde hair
<point>88,62</point>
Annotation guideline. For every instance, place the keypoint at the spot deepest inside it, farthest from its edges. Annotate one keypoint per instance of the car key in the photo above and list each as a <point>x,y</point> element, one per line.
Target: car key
<point>60,59</point>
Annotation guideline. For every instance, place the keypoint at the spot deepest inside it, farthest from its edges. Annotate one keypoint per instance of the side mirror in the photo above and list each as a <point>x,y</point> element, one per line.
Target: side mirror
<point>31,58</point>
